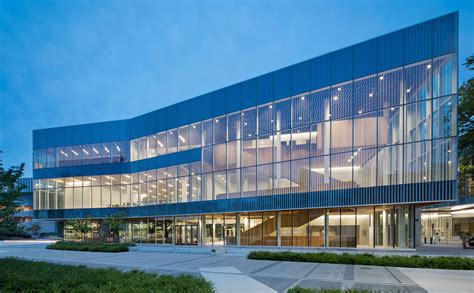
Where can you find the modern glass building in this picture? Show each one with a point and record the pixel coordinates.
(338, 151)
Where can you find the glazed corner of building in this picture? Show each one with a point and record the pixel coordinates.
(425, 41)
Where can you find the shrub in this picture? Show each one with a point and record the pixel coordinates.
(307, 290)
(99, 247)
(29, 276)
(415, 261)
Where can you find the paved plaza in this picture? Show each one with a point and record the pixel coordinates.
(236, 273)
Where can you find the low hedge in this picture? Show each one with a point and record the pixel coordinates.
(84, 246)
(415, 261)
(308, 290)
(29, 276)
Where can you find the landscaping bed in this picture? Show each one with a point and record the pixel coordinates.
(28, 276)
(84, 246)
(439, 262)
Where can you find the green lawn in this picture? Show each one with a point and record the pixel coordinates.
(440, 262)
(28, 276)
(84, 246)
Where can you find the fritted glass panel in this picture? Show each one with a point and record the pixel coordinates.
(172, 141)
(390, 165)
(365, 168)
(301, 110)
(207, 159)
(341, 135)
(207, 132)
(265, 149)
(220, 183)
(264, 179)
(365, 130)
(161, 143)
(341, 103)
(417, 162)
(320, 173)
(444, 75)
(444, 159)
(234, 129)
(300, 142)
(418, 121)
(249, 123)
(390, 84)
(249, 152)
(195, 136)
(390, 126)
(233, 183)
(266, 122)
(282, 178)
(282, 114)
(220, 129)
(207, 186)
(319, 103)
(300, 175)
(444, 117)
(320, 138)
(183, 138)
(341, 171)
(233, 154)
(282, 146)
(50, 157)
(195, 187)
(151, 146)
(249, 181)
(183, 189)
(220, 157)
(171, 189)
(417, 79)
(365, 95)
(142, 148)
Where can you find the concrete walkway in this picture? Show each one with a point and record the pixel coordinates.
(235, 273)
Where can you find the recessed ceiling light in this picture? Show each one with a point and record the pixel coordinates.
(381, 77)
(428, 66)
(335, 98)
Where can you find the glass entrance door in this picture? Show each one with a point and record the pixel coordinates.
(187, 231)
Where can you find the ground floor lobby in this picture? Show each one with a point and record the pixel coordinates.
(361, 227)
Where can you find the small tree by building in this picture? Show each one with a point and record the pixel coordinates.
(116, 223)
(10, 192)
(82, 226)
(466, 133)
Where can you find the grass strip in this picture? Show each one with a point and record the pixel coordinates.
(415, 261)
(82, 246)
(29, 276)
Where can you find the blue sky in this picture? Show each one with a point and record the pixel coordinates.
(72, 62)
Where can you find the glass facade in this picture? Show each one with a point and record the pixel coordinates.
(345, 227)
(336, 151)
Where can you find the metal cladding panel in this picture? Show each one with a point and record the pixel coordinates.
(417, 43)
(320, 72)
(265, 88)
(206, 106)
(281, 86)
(232, 97)
(219, 103)
(365, 59)
(341, 65)
(191, 110)
(389, 51)
(248, 93)
(300, 77)
(445, 34)
(383, 195)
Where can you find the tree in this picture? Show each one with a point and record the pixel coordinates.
(10, 192)
(34, 230)
(466, 129)
(116, 223)
(82, 226)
